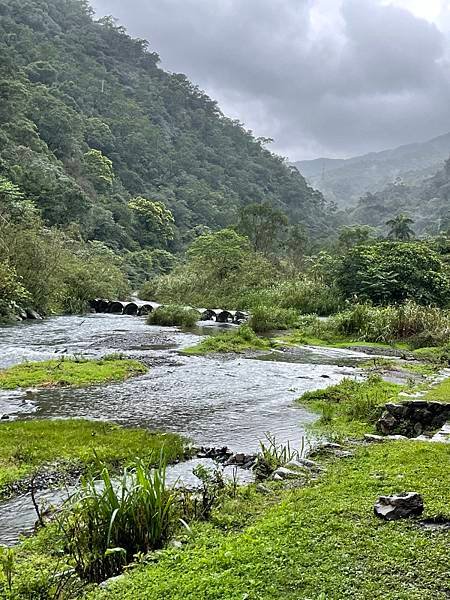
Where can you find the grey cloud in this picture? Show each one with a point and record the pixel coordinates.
(374, 77)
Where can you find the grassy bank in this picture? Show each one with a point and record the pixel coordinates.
(70, 372)
(350, 408)
(321, 542)
(238, 340)
(25, 446)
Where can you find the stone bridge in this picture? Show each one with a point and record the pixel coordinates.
(141, 308)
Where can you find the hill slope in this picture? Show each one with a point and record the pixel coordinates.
(427, 203)
(71, 85)
(346, 180)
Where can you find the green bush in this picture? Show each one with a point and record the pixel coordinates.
(270, 318)
(393, 272)
(418, 325)
(307, 296)
(12, 292)
(173, 315)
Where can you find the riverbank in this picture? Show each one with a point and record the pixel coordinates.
(320, 541)
(29, 448)
(299, 527)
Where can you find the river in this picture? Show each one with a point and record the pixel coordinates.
(214, 401)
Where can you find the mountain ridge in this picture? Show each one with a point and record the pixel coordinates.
(344, 181)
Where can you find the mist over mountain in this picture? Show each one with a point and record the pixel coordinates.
(427, 203)
(345, 181)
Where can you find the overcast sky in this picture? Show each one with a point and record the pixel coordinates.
(322, 77)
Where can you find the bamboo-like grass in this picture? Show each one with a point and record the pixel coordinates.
(113, 519)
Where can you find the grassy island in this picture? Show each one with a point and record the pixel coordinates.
(70, 372)
(238, 340)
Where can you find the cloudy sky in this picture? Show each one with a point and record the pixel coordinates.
(322, 77)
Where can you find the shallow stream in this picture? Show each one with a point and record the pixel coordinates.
(215, 401)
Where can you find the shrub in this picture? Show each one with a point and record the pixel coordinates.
(387, 272)
(12, 291)
(237, 340)
(109, 521)
(174, 315)
(269, 318)
(307, 296)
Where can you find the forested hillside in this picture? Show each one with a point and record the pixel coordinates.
(345, 181)
(427, 204)
(101, 139)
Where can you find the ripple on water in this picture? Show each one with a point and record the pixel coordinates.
(229, 401)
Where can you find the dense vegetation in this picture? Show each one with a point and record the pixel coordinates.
(172, 314)
(102, 151)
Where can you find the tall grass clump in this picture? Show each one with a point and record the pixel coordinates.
(174, 315)
(351, 401)
(110, 520)
(269, 318)
(418, 325)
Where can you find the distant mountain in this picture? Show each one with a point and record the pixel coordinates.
(427, 203)
(344, 181)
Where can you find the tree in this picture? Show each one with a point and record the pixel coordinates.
(155, 214)
(400, 228)
(390, 272)
(353, 236)
(265, 227)
(99, 169)
(13, 204)
(219, 253)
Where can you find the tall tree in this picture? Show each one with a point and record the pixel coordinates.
(400, 228)
(265, 227)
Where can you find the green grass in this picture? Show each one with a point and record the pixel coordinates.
(310, 337)
(271, 318)
(440, 392)
(27, 445)
(350, 408)
(380, 364)
(173, 315)
(238, 340)
(321, 542)
(69, 372)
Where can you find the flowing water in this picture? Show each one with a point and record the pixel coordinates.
(214, 401)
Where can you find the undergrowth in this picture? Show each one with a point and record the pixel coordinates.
(173, 315)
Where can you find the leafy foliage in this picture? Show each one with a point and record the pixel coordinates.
(386, 272)
(172, 314)
(89, 123)
(109, 520)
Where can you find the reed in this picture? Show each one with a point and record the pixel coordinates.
(110, 520)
